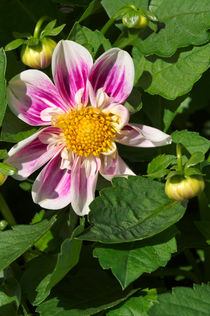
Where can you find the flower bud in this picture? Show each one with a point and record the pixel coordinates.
(180, 188)
(38, 56)
(134, 19)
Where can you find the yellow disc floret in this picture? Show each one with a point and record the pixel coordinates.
(87, 131)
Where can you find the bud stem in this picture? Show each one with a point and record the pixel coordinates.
(113, 19)
(7, 214)
(179, 157)
(38, 26)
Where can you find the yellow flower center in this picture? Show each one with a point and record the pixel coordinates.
(87, 130)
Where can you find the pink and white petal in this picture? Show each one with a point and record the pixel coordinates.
(142, 136)
(31, 153)
(84, 178)
(71, 64)
(114, 166)
(51, 188)
(31, 92)
(119, 113)
(113, 71)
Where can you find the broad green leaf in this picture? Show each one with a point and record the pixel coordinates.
(195, 159)
(13, 243)
(192, 171)
(7, 169)
(93, 40)
(112, 7)
(175, 76)
(14, 44)
(129, 261)
(14, 130)
(135, 306)
(3, 153)
(132, 209)
(66, 260)
(159, 163)
(172, 108)
(7, 305)
(85, 291)
(183, 301)
(134, 103)
(184, 23)
(3, 98)
(138, 60)
(192, 141)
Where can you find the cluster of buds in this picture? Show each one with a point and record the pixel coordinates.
(186, 181)
(37, 50)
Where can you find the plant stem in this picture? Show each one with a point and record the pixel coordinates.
(38, 26)
(113, 19)
(179, 157)
(7, 214)
(126, 41)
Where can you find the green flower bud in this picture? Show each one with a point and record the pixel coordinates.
(134, 19)
(180, 188)
(38, 56)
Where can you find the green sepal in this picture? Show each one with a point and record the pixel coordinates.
(33, 42)
(195, 159)
(14, 44)
(193, 172)
(174, 174)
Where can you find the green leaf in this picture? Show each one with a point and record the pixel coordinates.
(97, 292)
(195, 159)
(175, 76)
(93, 40)
(129, 261)
(138, 60)
(3, 153)
(112, 7)
(13, 243)
(53, 32)
(184, 24)
(14, 44)
(7, 305)
(183, 301)
(132, 209)
(7, 169)
(49, 26)
(192, 141)
(3, 98)
(159, 163)
(14, 130)
(134, 103)
(135, 306)
(66, 260)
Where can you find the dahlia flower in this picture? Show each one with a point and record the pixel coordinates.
(84, 119)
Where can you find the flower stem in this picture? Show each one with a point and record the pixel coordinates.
(113, 19)
(38, 26)
(179, 157)
(123, 41)
(5, 211)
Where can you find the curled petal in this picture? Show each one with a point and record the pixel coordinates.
(71, 64)
(119, 113)
(31, 153)
(84, 178)
(113, 71)
(113, 166)
(51, 188)
(30, 93)
(142, 136)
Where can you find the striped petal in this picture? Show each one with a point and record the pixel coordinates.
(51, 188)
(31, 153)
(142, 136)
(113, 166)
(84, 178)
(113, 71)
(71, 64)
(30, 93)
